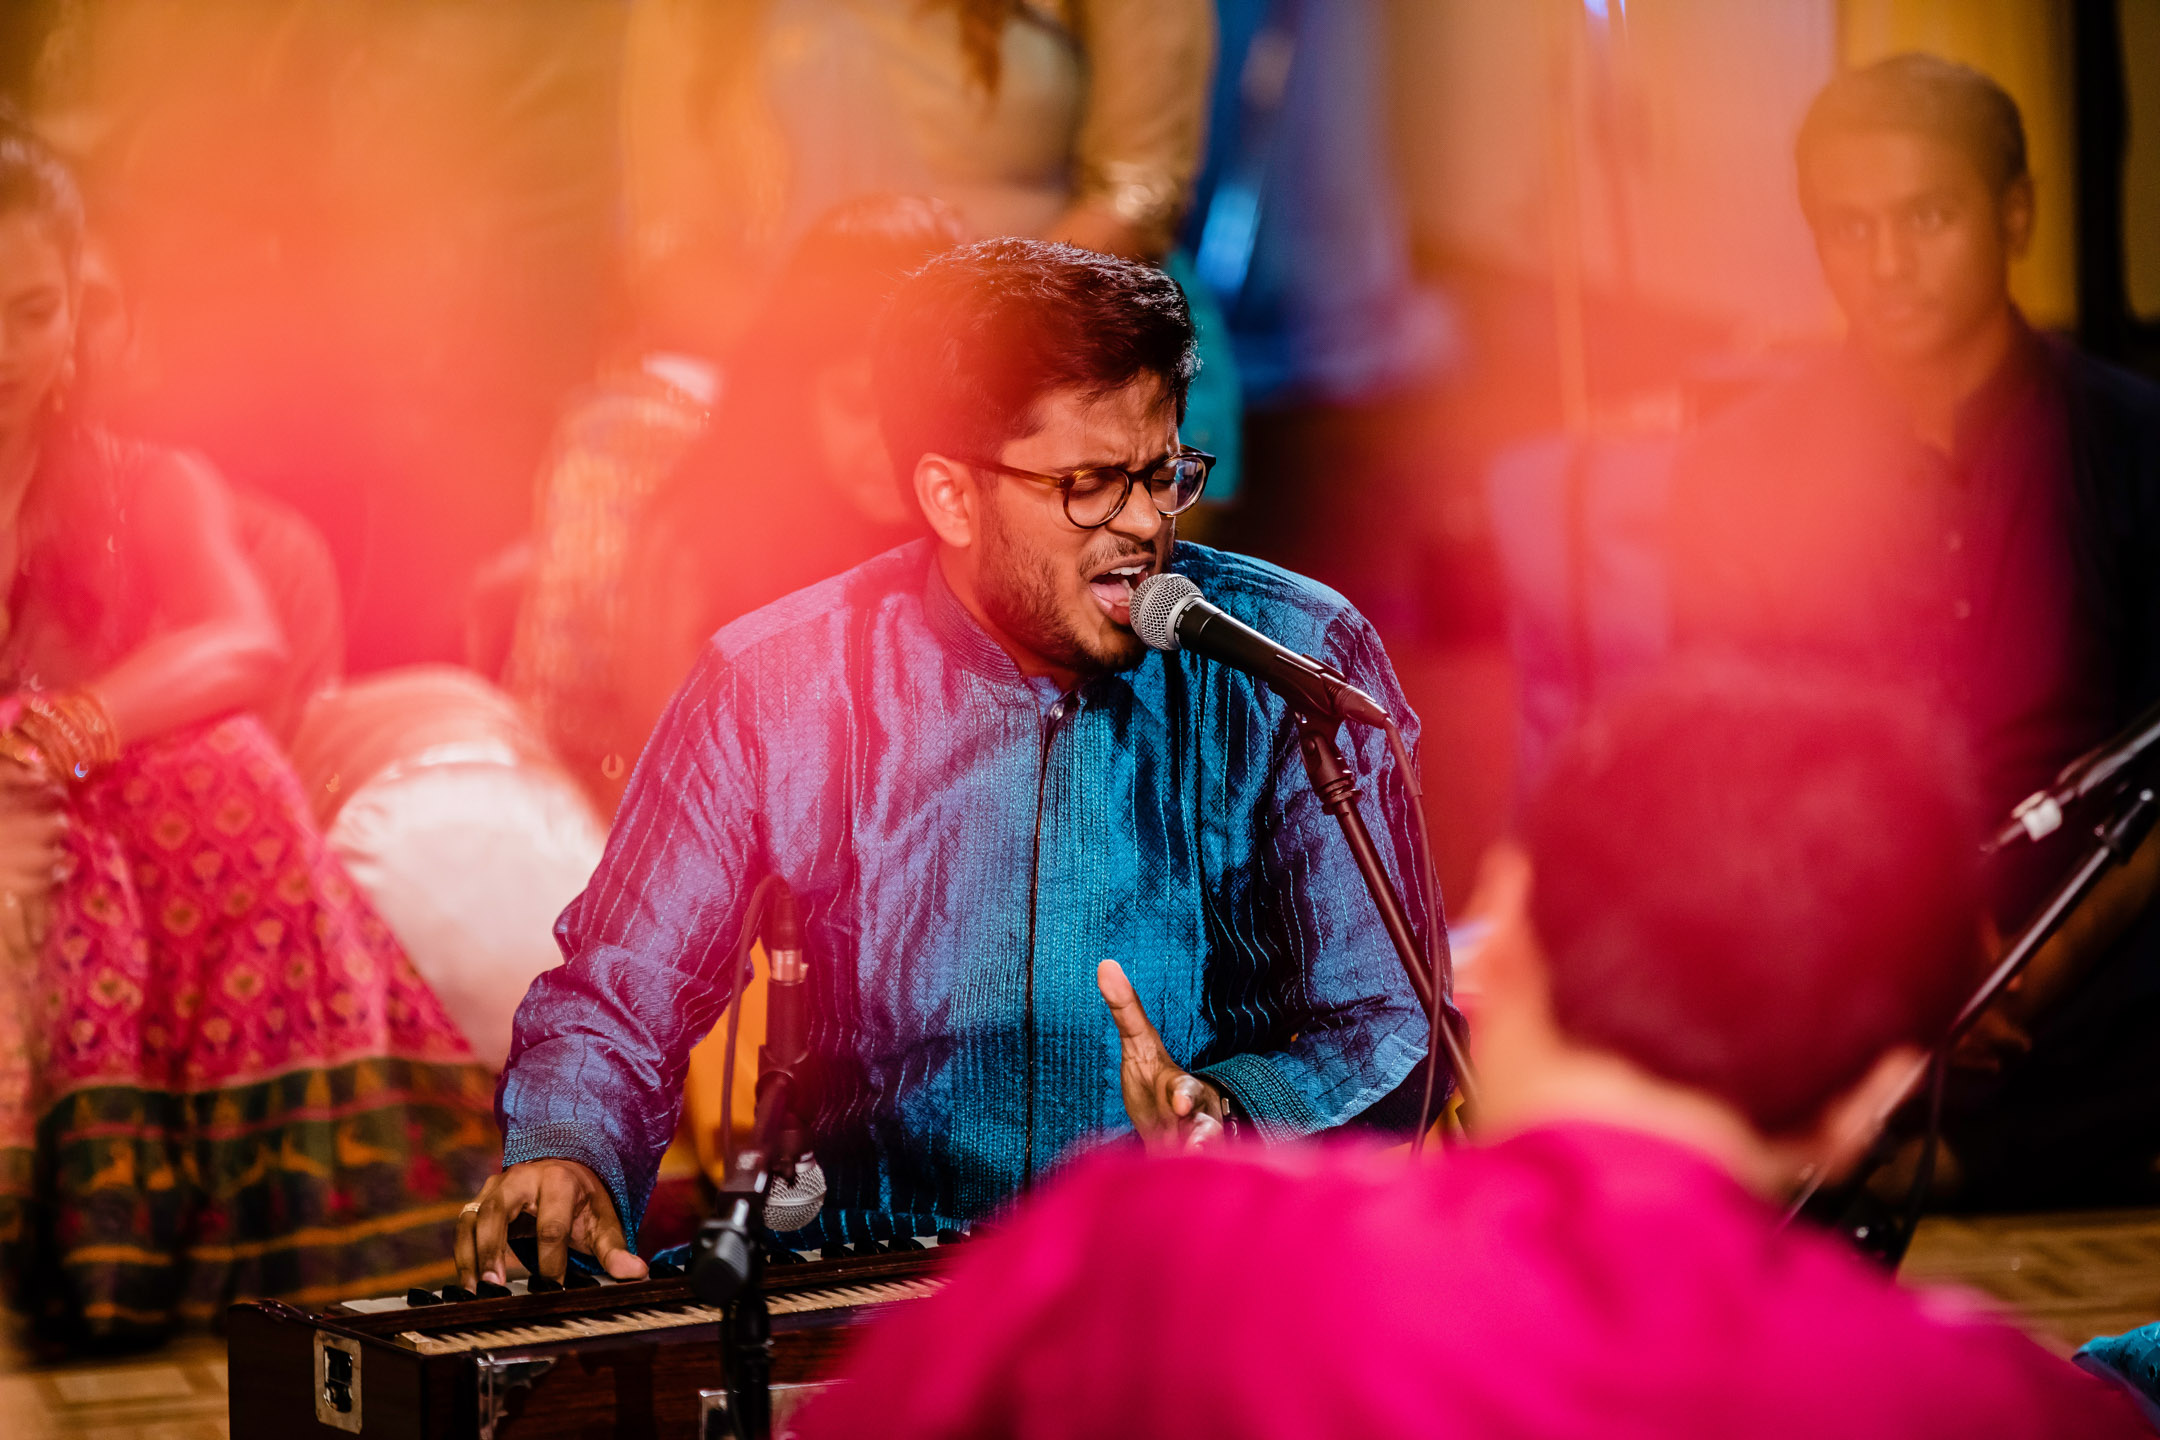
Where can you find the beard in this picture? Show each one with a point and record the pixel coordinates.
(1020, 594)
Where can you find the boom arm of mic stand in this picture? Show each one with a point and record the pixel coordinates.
(2113, 843)
(1338, 792)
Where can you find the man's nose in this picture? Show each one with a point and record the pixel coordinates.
(1138, 517)
(1892, 254)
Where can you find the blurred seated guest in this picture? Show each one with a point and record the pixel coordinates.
(219, 1075)
(1081, 121)
(1957, 502)
(792, 481)
(658, 526)
(435, 793)
(1074, 120)
(1714, 965)
(299, 578)
(289, 555)
(562, 590)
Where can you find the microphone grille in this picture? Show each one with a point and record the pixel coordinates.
(790, 1205)
(1156, 604)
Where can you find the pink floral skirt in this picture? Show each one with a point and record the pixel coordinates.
(224, 1079)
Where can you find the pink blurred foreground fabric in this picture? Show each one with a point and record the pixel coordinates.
(1572, 1281)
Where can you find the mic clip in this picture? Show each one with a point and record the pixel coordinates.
(1329, 697)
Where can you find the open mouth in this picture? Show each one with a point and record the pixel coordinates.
(1113, 586)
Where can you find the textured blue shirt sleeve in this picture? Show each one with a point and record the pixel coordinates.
(601, 1043)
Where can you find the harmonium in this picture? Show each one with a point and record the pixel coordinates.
(601, 1358)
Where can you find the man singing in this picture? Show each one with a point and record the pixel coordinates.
(981, 785)
(1959, 504)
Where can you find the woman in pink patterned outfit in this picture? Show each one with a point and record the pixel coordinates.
(220, 1077)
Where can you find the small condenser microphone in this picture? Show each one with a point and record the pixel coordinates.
(792, 1202)
(1170, 613)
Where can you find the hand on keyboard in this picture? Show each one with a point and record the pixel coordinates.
(570, 1208)
(1173, 1109)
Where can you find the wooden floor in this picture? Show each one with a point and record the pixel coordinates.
(177, 1393)
(2065, 1278)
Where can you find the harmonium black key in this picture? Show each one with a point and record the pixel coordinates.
(621, 1359)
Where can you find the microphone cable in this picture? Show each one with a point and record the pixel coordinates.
(739, 962)
(1429, 886)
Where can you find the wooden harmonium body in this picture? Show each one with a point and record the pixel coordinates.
(607, 1359)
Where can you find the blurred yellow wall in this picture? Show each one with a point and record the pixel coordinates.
(708, 1080)
(2025, 45)
(2141, 186)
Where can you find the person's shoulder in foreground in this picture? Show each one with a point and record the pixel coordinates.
(1681, 1015)
(1571, 1281)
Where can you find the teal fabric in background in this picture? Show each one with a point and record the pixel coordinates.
(1215, 406)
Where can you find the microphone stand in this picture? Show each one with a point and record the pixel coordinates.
(727, 1265)
(1853, 1209)
(1337, 790)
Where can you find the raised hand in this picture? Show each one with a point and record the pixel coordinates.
(1173, 1109)
(570, 1207)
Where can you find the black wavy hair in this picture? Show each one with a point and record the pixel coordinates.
(977, 337)
(1755, 882)
(1942, 99)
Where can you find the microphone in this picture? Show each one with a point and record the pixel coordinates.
(1169, 613)
(2042, 813)
(787, 1029)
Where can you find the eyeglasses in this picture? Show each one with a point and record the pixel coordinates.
(1094, 496)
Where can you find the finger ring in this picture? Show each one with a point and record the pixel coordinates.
(472, 1209)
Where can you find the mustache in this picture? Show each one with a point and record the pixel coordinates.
(1127, 551)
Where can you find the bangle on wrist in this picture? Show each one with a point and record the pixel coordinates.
(65, 735)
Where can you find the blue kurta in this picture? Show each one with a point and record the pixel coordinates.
(967, 844)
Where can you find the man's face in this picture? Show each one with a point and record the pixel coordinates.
(1914, 244)
(1059, 591)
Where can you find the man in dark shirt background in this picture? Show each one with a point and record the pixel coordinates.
(1962, 505)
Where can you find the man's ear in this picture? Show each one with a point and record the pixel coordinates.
(946, 491)
(2016, 209)
(1851, 1121)
(1501, 979)
(1502, 902)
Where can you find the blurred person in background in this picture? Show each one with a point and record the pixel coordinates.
(1072, 120)
(1300, 233)
(363, 279)
(789, 482)
(792, 481)
(1958, 502)
(1713, 964)
(747, 125)
(219, 1075)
